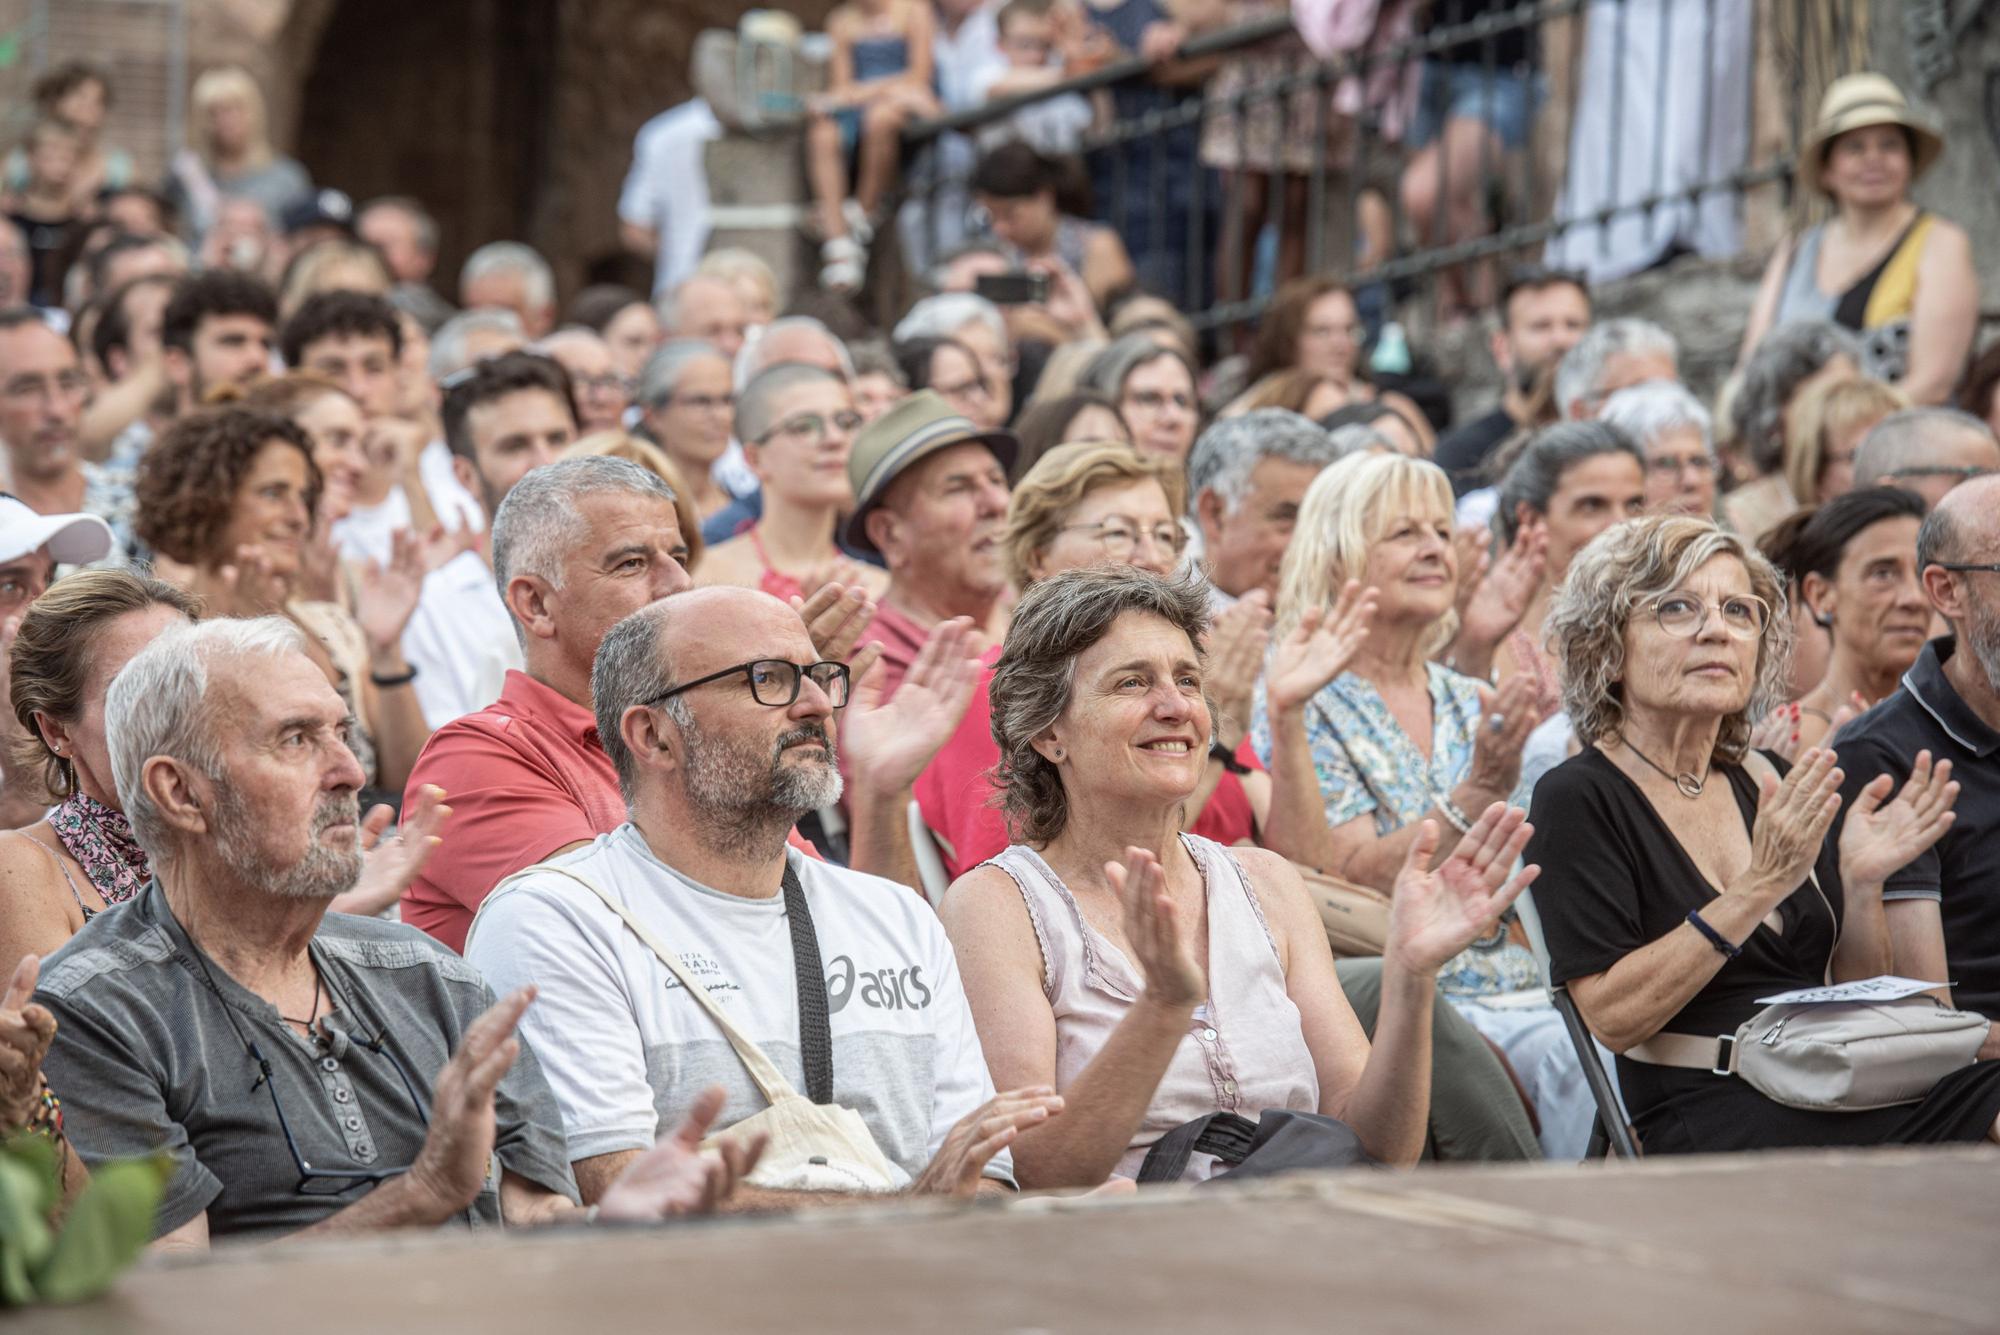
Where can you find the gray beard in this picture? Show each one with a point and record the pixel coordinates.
(747, 803)
(322, 874)
(1982, 636)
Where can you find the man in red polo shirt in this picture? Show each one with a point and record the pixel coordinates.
(577, 546)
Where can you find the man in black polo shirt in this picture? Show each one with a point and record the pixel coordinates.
(1543, 313)
(1944, 908)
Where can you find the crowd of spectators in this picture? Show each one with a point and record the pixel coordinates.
(693, 760)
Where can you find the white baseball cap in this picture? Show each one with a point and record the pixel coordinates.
(72, 540)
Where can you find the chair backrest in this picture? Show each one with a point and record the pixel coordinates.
(930, 865)
(1614, 1127)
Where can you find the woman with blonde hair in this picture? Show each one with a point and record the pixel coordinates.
(1824, 429)
(625, 445)
(233, 157)
(332, 266)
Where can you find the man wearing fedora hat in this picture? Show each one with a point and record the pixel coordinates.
(1900, 277)
(930, 498)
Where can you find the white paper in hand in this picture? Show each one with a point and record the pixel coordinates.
(1886, 987)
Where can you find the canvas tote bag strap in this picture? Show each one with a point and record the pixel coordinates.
(1758, 765)
(770, 1082)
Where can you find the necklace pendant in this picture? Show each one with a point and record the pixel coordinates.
(1689, 785)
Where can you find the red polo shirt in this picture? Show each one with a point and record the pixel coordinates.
(523, 776)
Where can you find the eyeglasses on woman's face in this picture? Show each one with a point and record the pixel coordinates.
(1684, 615)
(1121, 538)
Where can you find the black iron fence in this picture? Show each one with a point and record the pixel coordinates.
(1599, 135)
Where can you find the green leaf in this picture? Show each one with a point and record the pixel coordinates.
(25, 1238)
(38, 1152)
(107, 1228)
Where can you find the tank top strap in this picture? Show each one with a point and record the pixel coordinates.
(1221, 871)
(1067, 954)
(68, 880)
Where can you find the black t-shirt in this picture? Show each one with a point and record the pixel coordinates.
(1962, 869)
(1615, 879)
(1463, 451)
(1516, 46)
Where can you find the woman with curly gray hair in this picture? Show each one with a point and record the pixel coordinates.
(1153, 976)
(1694, 875)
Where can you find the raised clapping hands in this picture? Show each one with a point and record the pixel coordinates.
(674, 1177)
(1793, 815)
(1881, 837)
(835, 615)
(1436, 912)
(26, 1030)
(1160, 950)
(1236, 644)
(1318, 649)
(389, 865)
(887, 746)
(389, 591)
(1494, 594)
(1496, 751)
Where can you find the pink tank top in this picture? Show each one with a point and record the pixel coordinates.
(1245, 1049)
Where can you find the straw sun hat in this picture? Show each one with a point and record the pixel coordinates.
(1857, 100)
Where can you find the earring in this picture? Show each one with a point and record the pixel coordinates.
(1059, 753)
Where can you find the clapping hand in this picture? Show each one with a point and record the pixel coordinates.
(1793, 816)
(1235, 655)
(451, 1167)
(1319, 648)
(979, 1135)
(390, 590)
(1881, 837)
(1506, 717)
(26, 1030)
(1153, 933)
(1436, 912)
(675, 1177)
(248, 586)
(388, 866)
(835, 615)
(1494, 598)
(888, 745)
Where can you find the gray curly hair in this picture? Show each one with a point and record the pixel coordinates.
(1057, 619)
(1622, 571)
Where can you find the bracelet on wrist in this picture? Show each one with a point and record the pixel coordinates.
(1226, 758)
(1715, 938)
(1453, 816)
(389, 679)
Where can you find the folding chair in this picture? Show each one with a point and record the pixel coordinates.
(1612, 1129)
(930, 865)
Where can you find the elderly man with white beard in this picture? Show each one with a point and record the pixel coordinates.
(303, 1071)
(720, 720)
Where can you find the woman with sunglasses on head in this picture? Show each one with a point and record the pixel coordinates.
(797, 424)
(1688, 876)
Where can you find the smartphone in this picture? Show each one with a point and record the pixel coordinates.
(1019, 288)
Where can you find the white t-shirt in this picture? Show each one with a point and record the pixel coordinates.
(667, 188)
(460, 640)
(626, 1053)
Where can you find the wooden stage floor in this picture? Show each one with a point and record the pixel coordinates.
(1890, 1241)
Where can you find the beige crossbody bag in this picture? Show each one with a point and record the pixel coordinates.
(1847, 1056)
(812, 1146)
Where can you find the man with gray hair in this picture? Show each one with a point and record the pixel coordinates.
(577, 546)
(1246, 477)
(1926, 450)
(302, 1071)
(513, 277)
(1677, 437)
(707, 308)
(1611, 356)
(602, 395)
(721, 725)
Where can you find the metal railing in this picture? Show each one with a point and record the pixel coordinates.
(1636, 125)
(140, 44)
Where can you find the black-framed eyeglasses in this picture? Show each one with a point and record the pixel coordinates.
(335, 1181)
(1964, 569)
(775, 681)
(814, 426)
